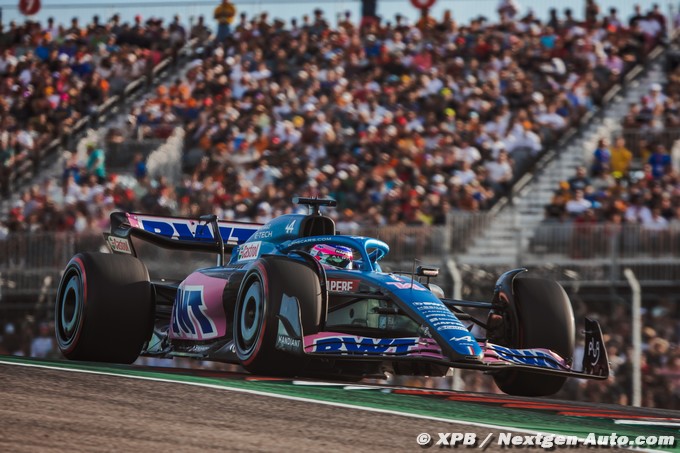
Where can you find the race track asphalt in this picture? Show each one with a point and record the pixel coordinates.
(51, 410)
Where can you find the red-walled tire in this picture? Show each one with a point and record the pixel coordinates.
(257, 308)
(540, 317)
(104, 308)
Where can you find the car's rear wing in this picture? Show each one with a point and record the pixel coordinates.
(180, 233)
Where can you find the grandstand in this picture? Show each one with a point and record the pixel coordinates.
(458, 144)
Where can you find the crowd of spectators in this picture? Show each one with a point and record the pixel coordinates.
(400, 123)
(28, 337)
(660, 360)
(52, 76)
(632, 184)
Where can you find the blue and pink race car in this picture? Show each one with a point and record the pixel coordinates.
(294, 298)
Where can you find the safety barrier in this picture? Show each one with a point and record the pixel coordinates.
(595, 253)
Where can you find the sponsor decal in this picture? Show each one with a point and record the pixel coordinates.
(408, 285)
(363, 345)
(594, 351)
(119, 245)
(311, 240)
(263, 235)
(463, 340)
(343, 285)
(439, 316)
(286, 343)
(191, 230)
(189, 315)
(534, 357)
(445, 323)
(249, 251)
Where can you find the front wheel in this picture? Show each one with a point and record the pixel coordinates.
(104, 308)
(279, 300)
(539, 316)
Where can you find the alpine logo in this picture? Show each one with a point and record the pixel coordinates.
(119, 245)
(342, 285)
(362, 345)
(189, 319)
(249, 251)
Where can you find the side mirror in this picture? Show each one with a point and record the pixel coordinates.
(429, 272)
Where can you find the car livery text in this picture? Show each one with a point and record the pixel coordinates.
(364, 345)
(533, 357)
(191, 230)
(189, 318)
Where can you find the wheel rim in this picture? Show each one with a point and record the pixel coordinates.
(69, 310)
(250, 317)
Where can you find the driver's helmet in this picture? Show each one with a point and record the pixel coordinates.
(333, 255)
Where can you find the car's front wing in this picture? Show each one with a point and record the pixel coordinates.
(495, 357)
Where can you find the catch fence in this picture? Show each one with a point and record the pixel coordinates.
(31, 263)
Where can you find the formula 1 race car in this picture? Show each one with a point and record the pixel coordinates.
(297, 299)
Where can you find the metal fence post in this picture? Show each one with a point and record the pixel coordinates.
(614, 240)
(637, 336)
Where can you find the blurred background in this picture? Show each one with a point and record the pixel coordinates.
(477, 136)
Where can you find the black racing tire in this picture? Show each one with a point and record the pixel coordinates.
(257, 308)
(104, 308)
(540, 317)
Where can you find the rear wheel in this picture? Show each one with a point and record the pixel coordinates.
(539, 317)
(269, 284)
(104, 308)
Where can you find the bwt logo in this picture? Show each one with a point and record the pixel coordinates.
(183, 231)
(364, 345)
(342, 285)
(189, 319)
(526, 357)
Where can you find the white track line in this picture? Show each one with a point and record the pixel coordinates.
(648, 423)
(287, 397)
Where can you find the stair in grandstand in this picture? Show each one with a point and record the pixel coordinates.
(54, 166)
(506, 240)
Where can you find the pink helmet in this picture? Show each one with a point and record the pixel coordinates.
(333, 255)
